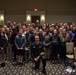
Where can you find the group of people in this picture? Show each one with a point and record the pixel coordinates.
(45, 42)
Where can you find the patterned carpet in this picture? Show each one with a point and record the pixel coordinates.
(26, 69)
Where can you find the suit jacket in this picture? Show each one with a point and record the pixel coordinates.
(20, 41)
(36, 49)
(2, 43)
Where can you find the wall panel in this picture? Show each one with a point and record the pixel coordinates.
(17, 18)
(60, 18)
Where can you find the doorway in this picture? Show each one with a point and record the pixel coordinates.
(34, 18)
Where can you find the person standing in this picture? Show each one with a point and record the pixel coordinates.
(47, 44)
(55, 46)
(2, 49)
(64, 37)
(12, 39)
(20, 42)
(38, 24)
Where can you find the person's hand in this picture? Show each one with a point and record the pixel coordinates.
(38, 57)
(21, 48)
(35, 59)
(1, 48)
(18, 48)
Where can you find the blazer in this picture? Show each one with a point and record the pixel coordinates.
(20, 41)
(36, 49)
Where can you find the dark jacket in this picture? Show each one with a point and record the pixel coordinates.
(36, 49)
(2, 43)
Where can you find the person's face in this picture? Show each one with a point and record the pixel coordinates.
(44, 25)
(3, 29)
(37, 21)
(8, 22)
(61, 24)
(20, 32)
(40, 30)
(44, 28)
(31, 28)
(2, 34)
(36, 38)
(67, 27)
(74, 28)
(14, 23)
(37, 28)
(7, 30)
(64, 31)
(71, 26)
(56, 27)
(55, 32)
(60, 29)
(24, 28)
(51, 28)
(27, 31)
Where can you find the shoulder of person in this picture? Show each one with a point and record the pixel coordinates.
(41, 43)
(17, 36)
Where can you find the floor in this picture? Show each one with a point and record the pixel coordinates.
(11, 68)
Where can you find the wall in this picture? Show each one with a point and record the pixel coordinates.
(55, 11)
(44, 5)
(60, 18)
(1, 17)
(48, 18)
(17, 18)
(53, 17)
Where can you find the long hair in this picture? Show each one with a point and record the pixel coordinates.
(66, 35)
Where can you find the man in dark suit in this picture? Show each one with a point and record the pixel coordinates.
(38, 24)
(37, 51)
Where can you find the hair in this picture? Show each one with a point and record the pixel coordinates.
(66, 35)
(37, 35)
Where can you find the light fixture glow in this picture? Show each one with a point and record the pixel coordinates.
(28, 17)
(1, 17)
(42, 17)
